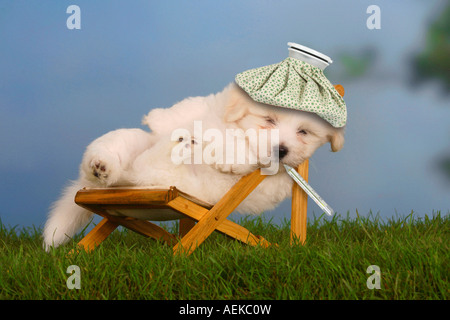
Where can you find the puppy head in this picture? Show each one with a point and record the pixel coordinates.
(300, 132)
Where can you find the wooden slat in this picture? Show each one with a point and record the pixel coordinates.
(207, 224)
(242, 234)
(227, 227)
(299, 207)
(131, 197)
(122, 196)
(340, 89)
(146, 228)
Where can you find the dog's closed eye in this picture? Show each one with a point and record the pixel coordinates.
(302, 132)
(270, 120)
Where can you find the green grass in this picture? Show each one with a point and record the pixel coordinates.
(412, 254)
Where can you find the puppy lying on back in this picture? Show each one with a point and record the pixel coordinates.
(126, 156)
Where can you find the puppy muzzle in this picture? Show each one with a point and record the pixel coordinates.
(280, 151)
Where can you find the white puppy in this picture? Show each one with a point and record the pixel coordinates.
(136, 157)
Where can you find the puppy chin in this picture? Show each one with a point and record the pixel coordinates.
(294, 163)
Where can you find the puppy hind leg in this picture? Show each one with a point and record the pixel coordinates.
(101, 168)
(107, 158)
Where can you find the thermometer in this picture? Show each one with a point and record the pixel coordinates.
(309, 190)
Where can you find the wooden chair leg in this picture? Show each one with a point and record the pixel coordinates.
(221, 210)
(229, 228)
(186, 224)
(99, 233)
(299, 207)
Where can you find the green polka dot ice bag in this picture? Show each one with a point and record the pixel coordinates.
(298, 83)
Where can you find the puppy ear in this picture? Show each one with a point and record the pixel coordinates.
(337, 140)
(236, 105)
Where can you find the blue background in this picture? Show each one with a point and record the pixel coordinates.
(60, 89)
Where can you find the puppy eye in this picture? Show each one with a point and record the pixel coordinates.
(193, 141)
(270, 120)
(180, 139)
(302, 132)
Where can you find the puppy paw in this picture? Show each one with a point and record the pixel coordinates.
(243, 169)
(100, 169)
(238, 169)
(104, 170)
(224, 168)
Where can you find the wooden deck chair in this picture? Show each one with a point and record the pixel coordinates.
(133, 207)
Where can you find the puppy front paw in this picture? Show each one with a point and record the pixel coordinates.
(224, 168)
(239, 169)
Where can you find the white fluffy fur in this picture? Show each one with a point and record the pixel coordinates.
(137, 157)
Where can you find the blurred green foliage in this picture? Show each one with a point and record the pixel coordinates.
(357, 64)
(433, 62)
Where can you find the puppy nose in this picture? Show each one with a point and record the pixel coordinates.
(282, 151)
